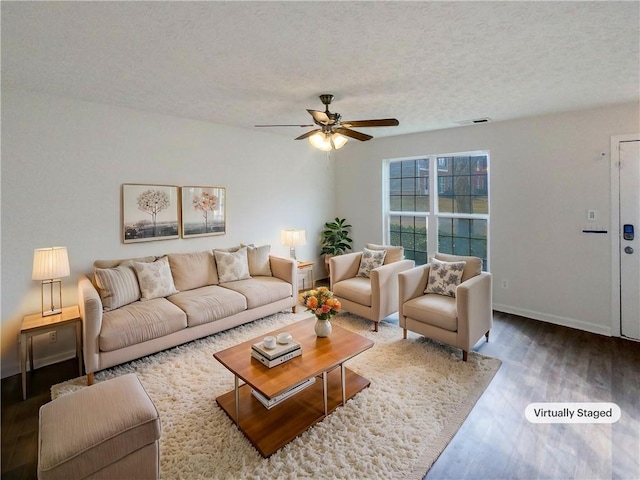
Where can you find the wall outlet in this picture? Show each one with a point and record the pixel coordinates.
(53, 337)
(505, 283)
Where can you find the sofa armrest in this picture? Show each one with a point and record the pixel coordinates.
(285, 269)
(384, 287)
(411, 284)
(91, 313)
(344, 266)
(475, 308)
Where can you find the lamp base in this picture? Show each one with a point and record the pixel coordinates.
(52, 309)
(292, 252)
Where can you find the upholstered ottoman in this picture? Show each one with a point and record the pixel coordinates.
(109, 430)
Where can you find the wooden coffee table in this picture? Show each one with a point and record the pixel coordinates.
(270, 429)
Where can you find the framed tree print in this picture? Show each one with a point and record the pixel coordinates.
(150, 212)
(203, 211)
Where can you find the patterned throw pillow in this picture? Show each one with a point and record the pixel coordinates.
(232, 266)
(370, 259)
(444, 277)
(155, 279)
(117, 287)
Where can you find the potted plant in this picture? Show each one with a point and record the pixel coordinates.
(335, 239)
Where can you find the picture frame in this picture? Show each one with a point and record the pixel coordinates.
(150, 212)
(203, 211)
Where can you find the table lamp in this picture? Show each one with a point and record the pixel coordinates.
(49, 265)
(293, 238)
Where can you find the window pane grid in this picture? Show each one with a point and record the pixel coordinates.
(461, 198)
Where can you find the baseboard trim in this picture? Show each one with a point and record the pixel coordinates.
(50, 360)
(555, 319)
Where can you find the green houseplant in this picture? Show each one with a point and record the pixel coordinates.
(335, 239)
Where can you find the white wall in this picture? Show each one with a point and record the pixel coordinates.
(63, 164)
(545, 173)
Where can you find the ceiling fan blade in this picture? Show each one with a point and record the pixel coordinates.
(383, 122)
(284, 125)
(363, 137)
(320, 117)
(308, 134)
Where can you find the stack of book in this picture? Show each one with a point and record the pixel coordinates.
(270, 357)
(272, 402)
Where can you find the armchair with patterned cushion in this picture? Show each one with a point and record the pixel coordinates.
(448, 300)
(366, 283)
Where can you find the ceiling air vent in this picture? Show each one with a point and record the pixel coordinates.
(475, 120)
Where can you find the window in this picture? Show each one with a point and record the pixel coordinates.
(457, 210)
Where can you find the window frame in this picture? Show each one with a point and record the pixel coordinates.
(433, 214)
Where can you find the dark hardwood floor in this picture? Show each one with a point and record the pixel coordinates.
(541, 363)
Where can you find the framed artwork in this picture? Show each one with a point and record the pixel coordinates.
(150, 212)
(203, 211)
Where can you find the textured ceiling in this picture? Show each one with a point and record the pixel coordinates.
(429, 64)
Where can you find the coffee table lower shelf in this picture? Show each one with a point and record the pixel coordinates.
(271, 429)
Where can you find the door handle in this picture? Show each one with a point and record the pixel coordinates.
(628, 250)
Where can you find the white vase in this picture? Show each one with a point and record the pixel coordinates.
(323, 328)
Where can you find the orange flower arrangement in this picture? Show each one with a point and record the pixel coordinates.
(321, 302)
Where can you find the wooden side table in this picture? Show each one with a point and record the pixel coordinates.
(36, 324)
(305, 270)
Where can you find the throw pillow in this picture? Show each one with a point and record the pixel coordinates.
(232, 266)
(117, 287)
(472, 268)
(193, 270)
(370, 259)
(444, 277)
(155, 279)
(258, 258)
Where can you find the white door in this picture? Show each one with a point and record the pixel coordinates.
(630, 242)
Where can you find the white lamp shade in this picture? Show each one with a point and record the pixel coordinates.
(339, 141)
(50, 263)
(293, 238)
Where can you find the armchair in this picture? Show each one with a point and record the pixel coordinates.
(459, 321)
(374, 297)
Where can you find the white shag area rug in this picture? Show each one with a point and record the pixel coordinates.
(421, 391)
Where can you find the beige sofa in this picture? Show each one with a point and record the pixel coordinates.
(135, 307)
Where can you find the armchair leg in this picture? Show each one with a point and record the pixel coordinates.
(465, 355)
(375, 326)
(404, 333)
(294, 309)
(487, 335)
(90, 379)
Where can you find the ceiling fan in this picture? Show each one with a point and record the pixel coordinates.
(333, 132)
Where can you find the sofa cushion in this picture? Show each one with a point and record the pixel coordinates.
(394, 253)
(138, 322)
(369, 260)
(193, 270)
(207, 304)
(472, 268)
(356, 289)
(155, 279)
(436, 310)
(261, 290)
(444, 277)
(258, 258)
(232, 266)
(117, 286)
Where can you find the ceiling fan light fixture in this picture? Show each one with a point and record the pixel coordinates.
(327, 141)
(338, 140)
